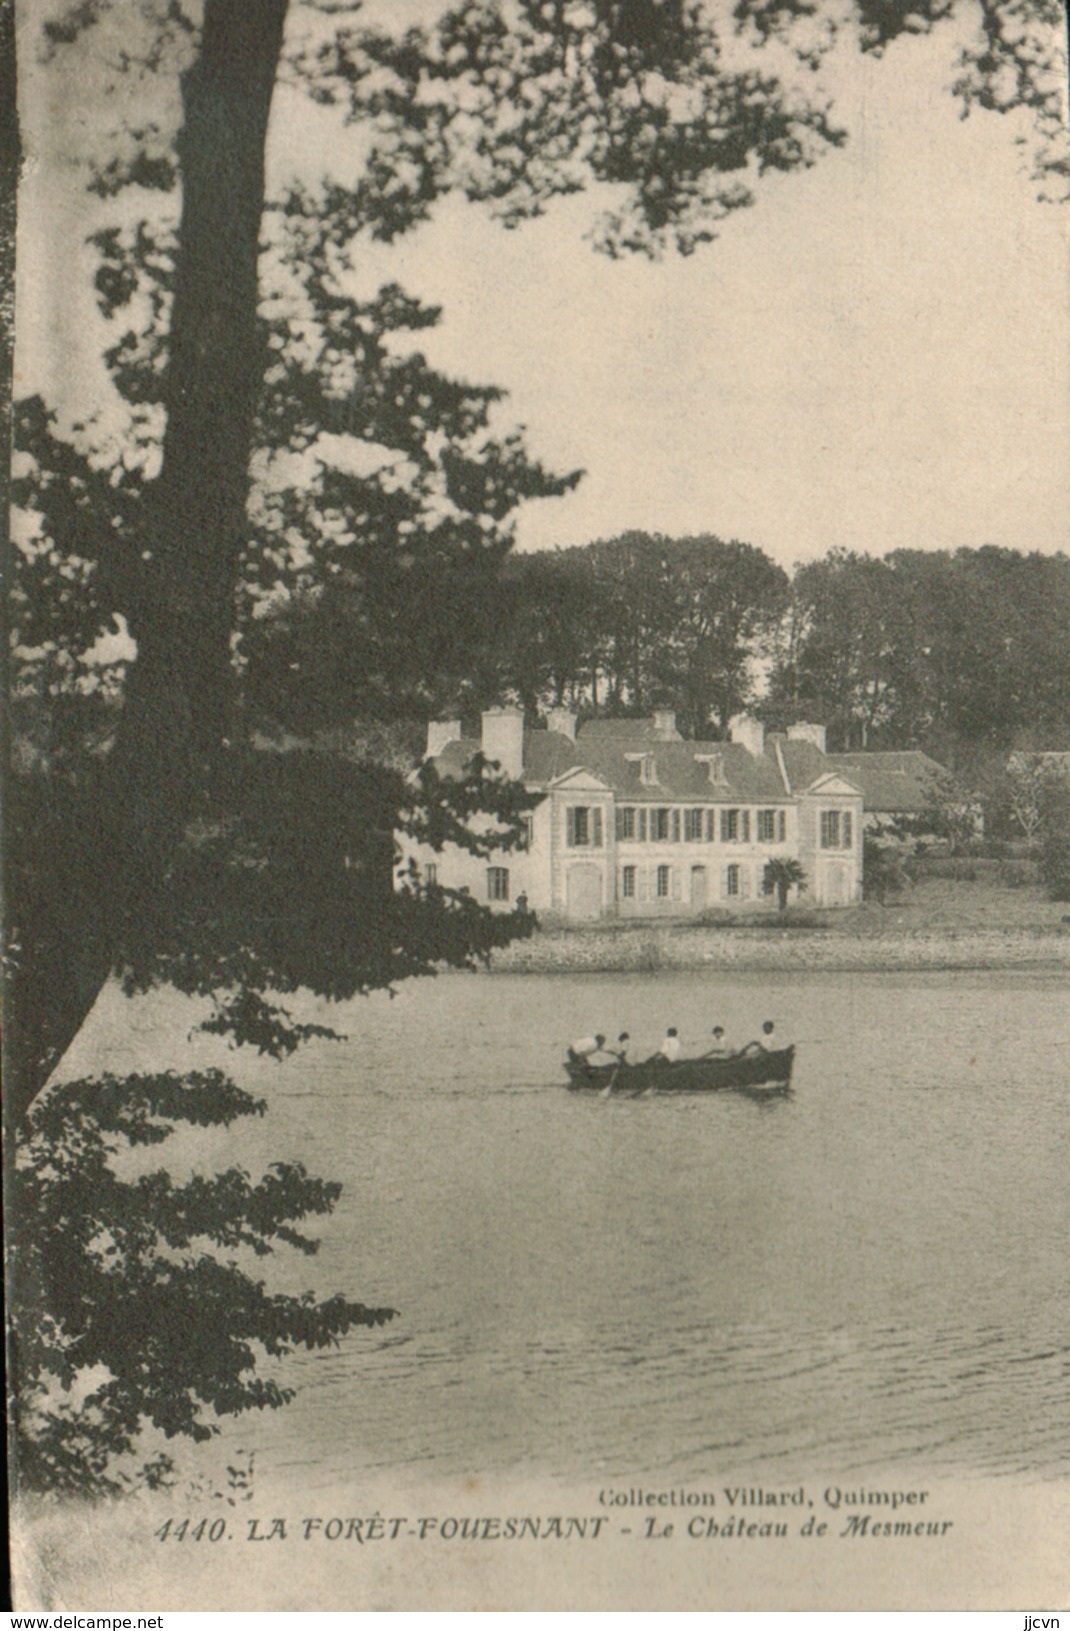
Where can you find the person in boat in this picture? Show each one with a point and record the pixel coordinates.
(669, 1050)
(620, 1052)
(767, 1042)
(721, 1048)
(586, 1050)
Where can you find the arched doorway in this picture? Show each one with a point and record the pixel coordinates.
(835, 885)
(584, 890)
(699, 888)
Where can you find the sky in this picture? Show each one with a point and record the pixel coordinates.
(875, 356)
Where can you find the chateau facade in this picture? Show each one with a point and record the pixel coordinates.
(634, 822)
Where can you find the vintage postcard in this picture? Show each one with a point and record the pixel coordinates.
(537, 844)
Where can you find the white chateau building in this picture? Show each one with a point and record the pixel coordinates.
(633, 821)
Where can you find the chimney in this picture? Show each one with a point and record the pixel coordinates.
(749, 732)
(439, 732)
(559, 719)
(808, 733)
(503, 739)
(665, 725)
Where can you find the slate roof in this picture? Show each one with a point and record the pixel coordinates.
(547, 755)
(680, 776)
(617, 729)
(550, 754)
(904, 783)
(803, 761)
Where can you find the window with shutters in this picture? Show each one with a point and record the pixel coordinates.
(527, 832)
(693, 826)
(497, 883)
(729, 826)
(664, 884)
(431, 874)
(626, 822)
(731, 880)
(766, 826)
(659, 826)
(627, 882)
(583, 827)
(830, 829)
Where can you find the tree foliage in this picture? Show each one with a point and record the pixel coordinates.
(782, 875)
(630, 622)
(948, 650)
(131, 1306)
(883, 868)
(1055, 836)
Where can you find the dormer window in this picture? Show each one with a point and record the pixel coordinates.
(648, 774)
(714, 763)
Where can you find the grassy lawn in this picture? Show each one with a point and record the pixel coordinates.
(986, 901)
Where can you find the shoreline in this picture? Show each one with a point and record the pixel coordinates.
(657, 948)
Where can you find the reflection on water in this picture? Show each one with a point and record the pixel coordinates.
(866, 1271)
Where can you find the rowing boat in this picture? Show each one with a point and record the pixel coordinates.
(757, 1069)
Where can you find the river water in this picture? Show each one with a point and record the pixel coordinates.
(870, 1273)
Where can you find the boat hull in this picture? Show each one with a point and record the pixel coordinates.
(756, 1070)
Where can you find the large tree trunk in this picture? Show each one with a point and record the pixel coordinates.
(215, 365)
(109, 846)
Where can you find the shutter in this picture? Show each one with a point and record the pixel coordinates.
(642, 825)
(724, 826)
(709, 825)
(675, 819)
(724, 882)
(620, 825)
(570, 826)
(782, 826)
(848, 835)
(596, 827)
(744, 821)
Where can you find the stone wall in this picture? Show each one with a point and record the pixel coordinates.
(651, 948)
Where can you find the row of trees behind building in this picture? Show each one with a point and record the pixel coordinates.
(964, 653)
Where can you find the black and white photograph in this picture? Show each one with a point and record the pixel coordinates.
(536, 835)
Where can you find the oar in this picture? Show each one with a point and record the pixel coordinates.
(607, 1090)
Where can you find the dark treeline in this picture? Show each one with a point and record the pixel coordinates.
(963, 653)
(639, 620)
(952, 651)
(955, 652)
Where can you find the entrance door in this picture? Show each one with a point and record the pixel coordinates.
(584, 890)
(835, 882)
(698, 888)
